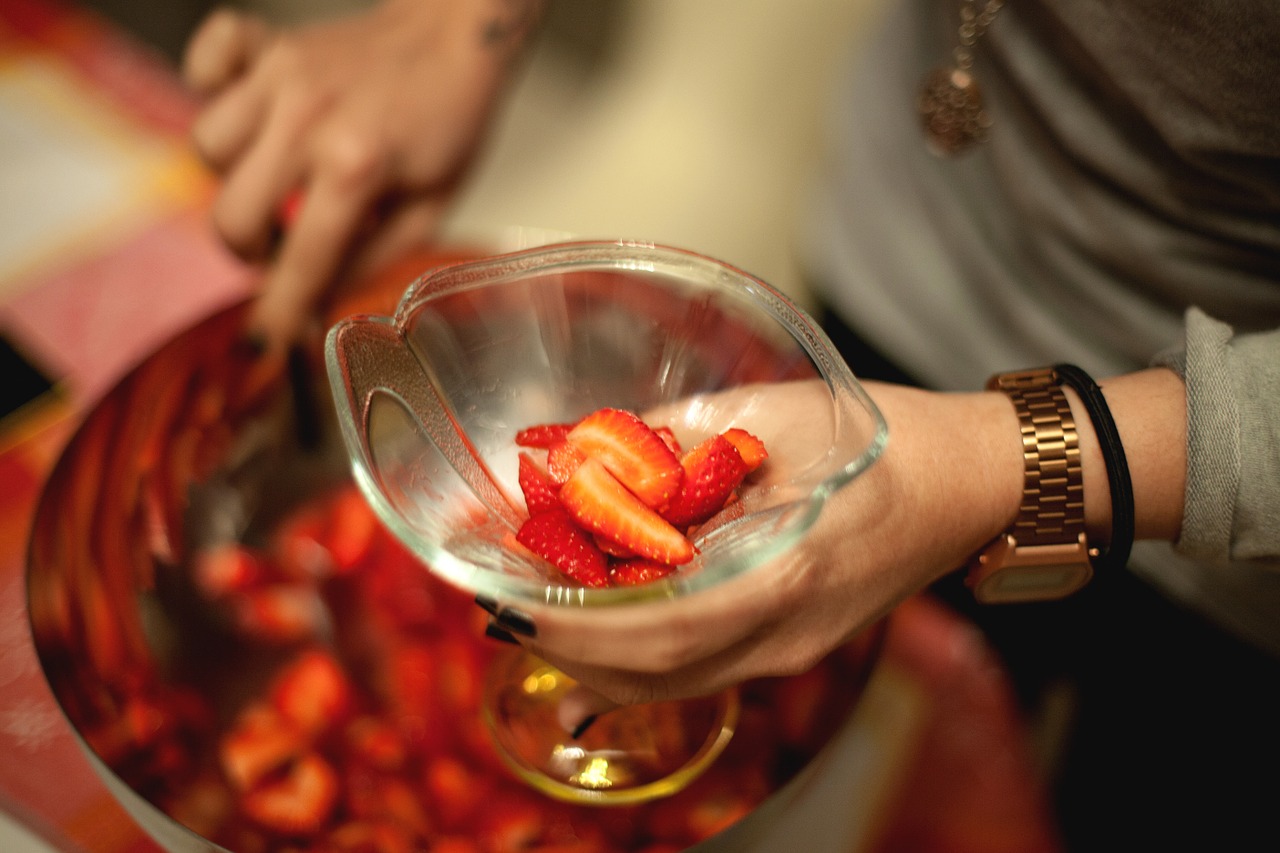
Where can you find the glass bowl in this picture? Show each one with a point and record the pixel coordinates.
(430, 399)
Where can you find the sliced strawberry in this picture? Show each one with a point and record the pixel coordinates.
(352, 530)
(543, 435)
(456, 792)
(297, 545)
(370, 836)
(297, 803)
(669, 439)
(552, 535)
(279, 613)
(595, 499)
(638, 571)
(712, 470)
(384, 799)
(632, 452)
(312, 692)
(227, 568)
(563, 459)
(260, 742)
(750, 448)
(613, 549)
(539, 491)
(373, 741)
(408, 685)
(460, 683)
(513, 821)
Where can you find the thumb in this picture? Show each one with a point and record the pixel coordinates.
(579, 708)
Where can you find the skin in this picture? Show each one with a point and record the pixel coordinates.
(885, 537)
(370, 120)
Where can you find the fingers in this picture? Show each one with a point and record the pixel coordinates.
(664, 638)
(247, 210)
(222, 48)
(579, 707)
(224, 131)
(400, 226)
(603, 688)
(333, 208)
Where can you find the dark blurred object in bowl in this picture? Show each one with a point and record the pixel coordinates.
(253, 664)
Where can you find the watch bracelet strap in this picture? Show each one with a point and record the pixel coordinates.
(1052, 506)
(1119, 483)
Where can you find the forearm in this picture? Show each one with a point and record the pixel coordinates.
(953, 470)
(1150, 411)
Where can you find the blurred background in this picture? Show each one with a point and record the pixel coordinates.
(695, 124)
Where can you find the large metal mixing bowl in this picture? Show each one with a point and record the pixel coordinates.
(204, 444)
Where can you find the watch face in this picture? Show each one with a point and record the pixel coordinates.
(1031, 583)
(1007, 572)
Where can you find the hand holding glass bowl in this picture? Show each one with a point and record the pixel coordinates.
(429, 402)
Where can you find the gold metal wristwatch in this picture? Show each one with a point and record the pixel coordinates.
(1045, 554)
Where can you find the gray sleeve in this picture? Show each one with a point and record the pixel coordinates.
(1232, 508)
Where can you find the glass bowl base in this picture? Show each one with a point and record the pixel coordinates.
(628, 755)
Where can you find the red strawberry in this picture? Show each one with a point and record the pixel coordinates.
(552, 535)
(539, 491)
(456, 792)
(750, 448)
(638, 571)
(612, 549)
(227, 568)
(279, 613)
(374, 741)
(712, 470)
(261, 741)
(299, 802)
(312, 692)
(297, 545)
(513, 821)
(669, 439)
(632, 452)
(543, 435)
(460, 683)
(352, 530)
(595, 499)
(562, 460)
(370, 836)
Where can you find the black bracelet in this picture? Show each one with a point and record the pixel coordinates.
(1116, 554)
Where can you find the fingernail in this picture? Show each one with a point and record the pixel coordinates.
(582, 727)
(502, 635)
(487, 604)
(517, 622)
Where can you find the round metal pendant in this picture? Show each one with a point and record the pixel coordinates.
(951, 112)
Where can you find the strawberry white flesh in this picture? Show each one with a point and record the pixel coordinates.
(599, 502)
(632, 452)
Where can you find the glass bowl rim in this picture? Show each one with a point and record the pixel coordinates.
(462, 275)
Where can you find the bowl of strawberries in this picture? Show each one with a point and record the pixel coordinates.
(589, 425)
(254, 660)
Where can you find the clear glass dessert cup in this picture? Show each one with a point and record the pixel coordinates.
(429, 402)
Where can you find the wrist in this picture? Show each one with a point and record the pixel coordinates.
(951, 474)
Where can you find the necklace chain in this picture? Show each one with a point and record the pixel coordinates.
(950, 102)
(972, 25)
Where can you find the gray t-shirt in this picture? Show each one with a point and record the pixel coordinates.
(1124, 211)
